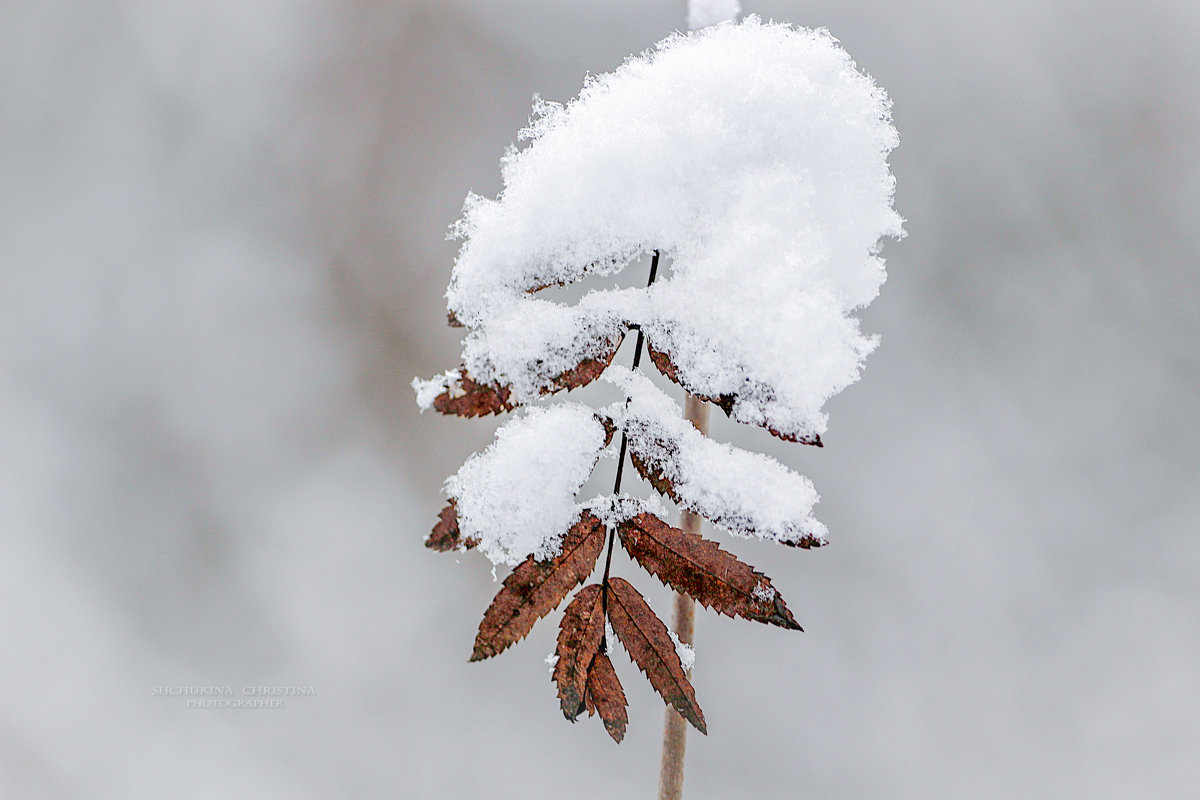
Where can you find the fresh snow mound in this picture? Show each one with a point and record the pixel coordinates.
(754, 156)
(517, 497)
(748, 494)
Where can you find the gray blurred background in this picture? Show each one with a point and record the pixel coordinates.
(222, 259)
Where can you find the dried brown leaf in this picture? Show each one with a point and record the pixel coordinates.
(650, 646)
(696, 566)
(668, 368)
(445, 535)
(580, 635)
(470, 398)
(605, 695)
(585, 371)
(724, 402)
(610, 428)
(654, 476)
(535, 588)
(806, 542)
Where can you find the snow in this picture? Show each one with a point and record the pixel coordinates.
(612, 510)
(748, 494)
(517, 497)
(764, 593)
(702, 13)
(687, 656)
(427, 391)
(754, 156)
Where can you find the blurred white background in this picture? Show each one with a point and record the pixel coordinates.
(222, 260)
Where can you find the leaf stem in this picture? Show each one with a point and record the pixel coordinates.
(612, 533)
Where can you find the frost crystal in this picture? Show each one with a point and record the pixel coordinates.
(517, 497)
(754, 155)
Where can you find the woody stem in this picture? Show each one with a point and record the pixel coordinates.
(670, 775)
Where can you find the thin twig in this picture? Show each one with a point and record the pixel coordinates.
(674, 747)
(637, 359)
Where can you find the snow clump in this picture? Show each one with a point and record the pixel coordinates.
(517, 497)
(753, 156)
(748, 494)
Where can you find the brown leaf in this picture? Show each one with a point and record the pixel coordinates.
(813, 439)
(650, 646)
(610, 428)
(693, 565)
(469, 398)
(654, 476)
(724, 402)
(580, 635)
(805, 542)
(445, 536)
(585, 371)
(668, 368)
(535, 588)
(604, 694)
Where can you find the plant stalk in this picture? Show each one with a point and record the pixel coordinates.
(674, 746)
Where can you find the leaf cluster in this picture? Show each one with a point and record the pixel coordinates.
(687, 562)
(583, 671)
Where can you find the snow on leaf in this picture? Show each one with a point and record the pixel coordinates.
(537, 346)
(605, 695)
(586, 371)
(615, 509)
(687, 655)
(695, 566)
(748, 494)
(517, 497)
(535, 588)
(649, 644)
(580, 636)
(754, 156)
(459, 394)
(729, 403)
